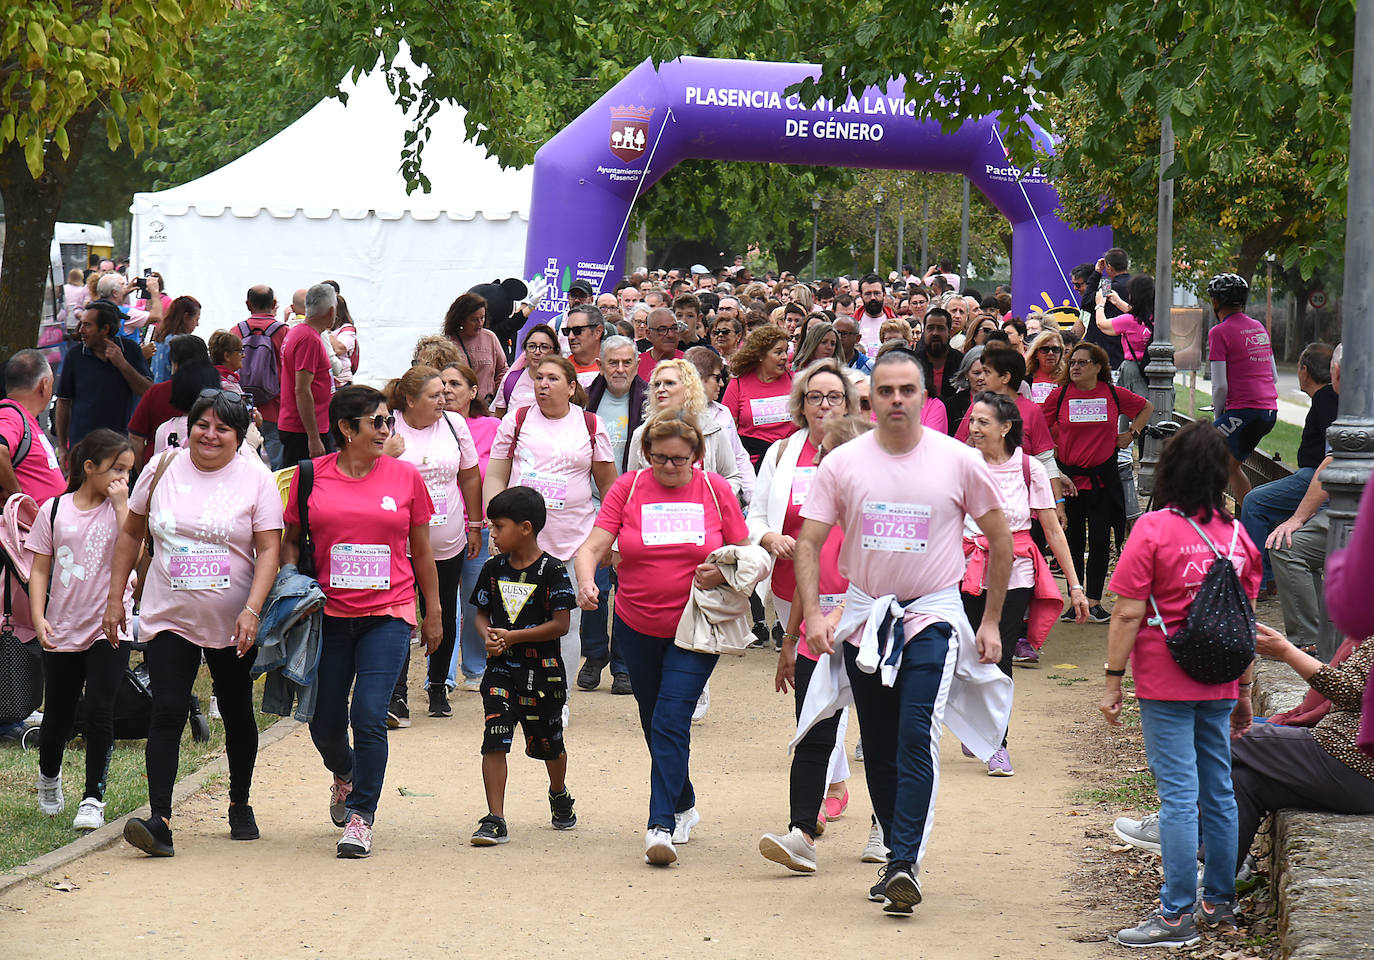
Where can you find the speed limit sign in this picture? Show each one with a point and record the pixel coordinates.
(1316, 299)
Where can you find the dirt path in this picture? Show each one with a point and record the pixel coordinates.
(995, 876)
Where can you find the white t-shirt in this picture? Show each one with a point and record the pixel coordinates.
(1018, 504)
(439, 455)
(555, 457)
(79, 580)
(203, 558)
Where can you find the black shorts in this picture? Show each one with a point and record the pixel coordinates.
(525, 685)
(1244, 429)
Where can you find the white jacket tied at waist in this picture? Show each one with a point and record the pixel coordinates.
(716, 619)
(979, 704)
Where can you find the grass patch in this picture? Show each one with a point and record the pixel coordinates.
(1064, 681)
(25, 833)
(1135, 791)
(1282, 440)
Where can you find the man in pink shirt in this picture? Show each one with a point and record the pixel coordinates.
(1244, 376)
(663, 333)
(27, 460)
(901, 494)
(306, 384)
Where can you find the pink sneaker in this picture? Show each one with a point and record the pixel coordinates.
(967, 752)
(338, 796)
(356, 841)
(836, 806)
(999, 764)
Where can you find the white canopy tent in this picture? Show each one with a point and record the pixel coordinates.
(324, 199)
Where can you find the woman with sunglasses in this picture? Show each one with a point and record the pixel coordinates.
(666, 520)
(559, 448)
(1083, 419)
(442, 450)
(362, 512)
(757, 396)
(676, 388)
(517, 389)
(726, 336)
(821, 394)
(215, 519)
(1045, 366)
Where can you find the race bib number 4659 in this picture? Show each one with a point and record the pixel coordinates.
(895, 527)
(1088, 411)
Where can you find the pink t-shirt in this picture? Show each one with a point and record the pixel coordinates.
(483, 432)
(784, 582)
(903, 516)
(555, 457)
(647, 364)
(1018, 502)
(760, 409)
(1243, 344)
(359, 528)
(1135, 337)
(1041, 389)
(1035, 431)
(934, 414)
(39, 474)
(664, 533)
(1165, 557)
(1085, 429)
(303, 350)
(79, 580)
(203, 523)
(833, 585)
(439, 455)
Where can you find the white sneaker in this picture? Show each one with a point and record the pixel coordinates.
(703, 704)
(90, 815)
(859, 752)
(50, 800)
(470, 685)
(875, 851)
(567, 714)
(213, 713)
(683, 823)
(658, 847)
(792, 850)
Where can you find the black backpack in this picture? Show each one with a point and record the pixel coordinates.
(1217, 639)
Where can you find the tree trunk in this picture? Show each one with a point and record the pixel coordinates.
(30, 212)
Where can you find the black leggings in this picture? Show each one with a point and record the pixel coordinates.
(99, 669)
(1012, 626)
(1090, 516)
(810, 773)
(450, 573)
(173, 662)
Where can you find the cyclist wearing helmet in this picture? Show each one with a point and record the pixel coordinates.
(1244, 376)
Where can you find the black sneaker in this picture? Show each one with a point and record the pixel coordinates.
(760, 632)
(152, 836)
(878, 892)
(242, 826)
(589, 677)
(903, 891)
(398, 714)
(561, 804)
(620, 685)
(1068, 616)
(777, 636)
(1098, 615)
(438, 702)
(490, 831)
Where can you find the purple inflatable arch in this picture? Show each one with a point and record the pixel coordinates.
(587, 177)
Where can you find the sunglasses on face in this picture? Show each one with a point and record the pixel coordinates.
(662, 460)
(378, 421)
(1055, 350)
(579, 331)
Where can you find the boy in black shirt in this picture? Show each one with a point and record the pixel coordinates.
(521, 602)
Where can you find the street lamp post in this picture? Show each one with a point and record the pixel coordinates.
(815, 230)
(901, 226)
(1159, 371)
(1352, 435)
(963, 237)
(878, 199)
(925, 227)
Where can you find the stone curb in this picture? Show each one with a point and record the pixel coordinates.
(114, 831)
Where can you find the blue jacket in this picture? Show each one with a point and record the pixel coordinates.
(289, 640)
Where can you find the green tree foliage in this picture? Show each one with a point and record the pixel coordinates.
(63, 62)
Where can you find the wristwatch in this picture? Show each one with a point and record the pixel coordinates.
(1113, 673)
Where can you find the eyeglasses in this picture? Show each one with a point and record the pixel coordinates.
(815, 397)
(378, 421)
(663, 331)
(210, 393)
(579, 331)
(662, 460)
(1081, 363)
(848, 333)
(537, 347)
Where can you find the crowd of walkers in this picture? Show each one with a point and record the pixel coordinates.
(896, 484)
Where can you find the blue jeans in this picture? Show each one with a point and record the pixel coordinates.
(1268, 505)
(271, 442)
(363, 654)
(471, 652)
(596, 643)
(901, 727)
(1188, 745)
(667, 682)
